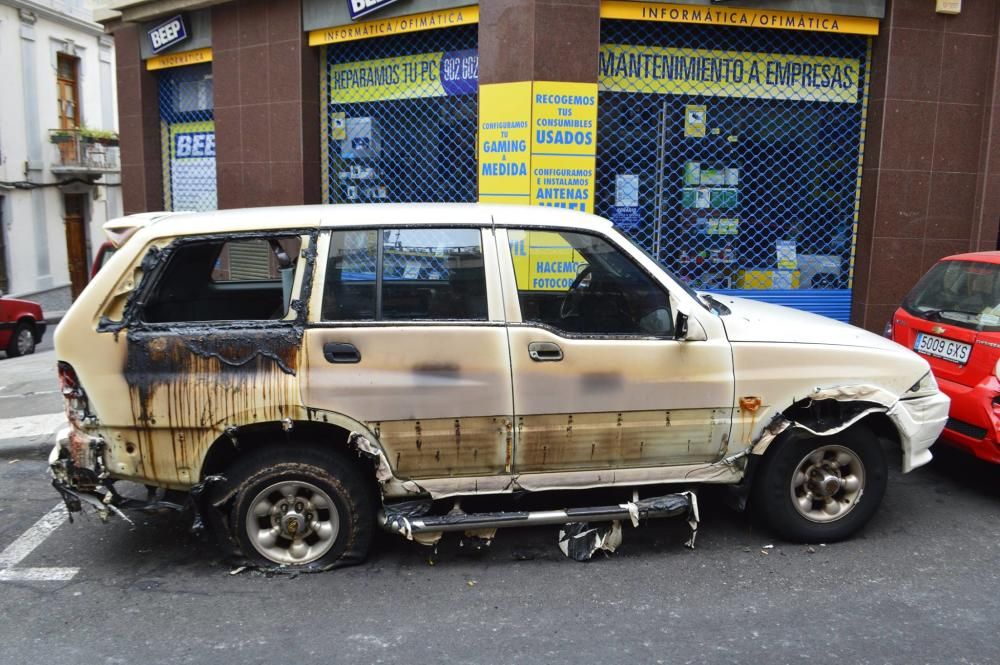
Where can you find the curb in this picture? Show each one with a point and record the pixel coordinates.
(28, 448)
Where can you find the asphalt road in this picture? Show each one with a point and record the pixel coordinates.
(921, 584)
(28, 385)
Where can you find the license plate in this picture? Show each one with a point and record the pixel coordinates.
(939, 347)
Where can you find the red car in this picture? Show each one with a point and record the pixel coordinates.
(952, 318)
(21, 326)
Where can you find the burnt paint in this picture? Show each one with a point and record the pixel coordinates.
(156, 258)
(184, 379)
(157, 358)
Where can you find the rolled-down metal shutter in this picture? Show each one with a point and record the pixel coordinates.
(733, 155)
(249, 260)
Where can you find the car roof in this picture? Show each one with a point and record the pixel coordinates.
(362, 214)
(982, 257)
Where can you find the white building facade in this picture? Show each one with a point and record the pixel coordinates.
(59, 158)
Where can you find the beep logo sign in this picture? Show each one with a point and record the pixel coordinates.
(168, 34)
(194, 145)
(359, 8)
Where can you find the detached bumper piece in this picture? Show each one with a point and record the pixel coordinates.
(91, 487)
(577, 540)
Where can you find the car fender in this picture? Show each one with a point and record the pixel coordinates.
(918, 419)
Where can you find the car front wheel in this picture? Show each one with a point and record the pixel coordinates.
(823, 488)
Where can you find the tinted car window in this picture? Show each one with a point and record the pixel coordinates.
(580, 283)
(405, 275)
(350, 276)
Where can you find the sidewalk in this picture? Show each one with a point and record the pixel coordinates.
(31, 406)
(29, 436)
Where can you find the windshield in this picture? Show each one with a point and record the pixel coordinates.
(960, 293)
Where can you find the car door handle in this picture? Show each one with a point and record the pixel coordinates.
(544, 352)
(341, 352)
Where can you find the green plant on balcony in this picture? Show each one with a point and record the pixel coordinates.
(102, 136)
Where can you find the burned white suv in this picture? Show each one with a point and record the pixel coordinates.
(303, 375)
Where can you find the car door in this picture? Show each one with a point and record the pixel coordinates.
(411, 342)
(599, 379)
(211, 341)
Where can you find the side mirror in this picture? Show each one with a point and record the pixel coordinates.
(681, 326)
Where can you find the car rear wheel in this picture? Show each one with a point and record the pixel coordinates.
(823, 488)
(300, 506)
(22, 342)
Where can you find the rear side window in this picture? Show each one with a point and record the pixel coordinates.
(405, 275)
(236, 279)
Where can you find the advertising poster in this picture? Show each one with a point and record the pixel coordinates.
(543, 261)
(192, 165)
(504, 141)
(405, 77)
(694, 120)
(626, 213)
(563, 144)
(685, 71)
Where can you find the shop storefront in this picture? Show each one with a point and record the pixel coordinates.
(399, 101)
(726, 138)
(733, 153)
(187, 121)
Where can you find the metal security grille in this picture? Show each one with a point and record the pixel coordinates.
(187, 131)
(733, 155)
(400, 118)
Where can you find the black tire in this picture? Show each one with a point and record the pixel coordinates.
(782, 501)
(22, 341)
(302, 467)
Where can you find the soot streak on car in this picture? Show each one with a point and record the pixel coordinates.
(425, 371)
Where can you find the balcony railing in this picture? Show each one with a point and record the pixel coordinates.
(82, 151)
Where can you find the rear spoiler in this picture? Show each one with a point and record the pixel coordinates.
(121, 229)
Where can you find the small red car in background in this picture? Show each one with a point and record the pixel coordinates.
(952, 318)
(21, 326)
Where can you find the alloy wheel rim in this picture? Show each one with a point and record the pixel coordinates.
(292, 522)
(827, 484)
(24, 341)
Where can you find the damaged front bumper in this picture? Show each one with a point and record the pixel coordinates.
(920, 421)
